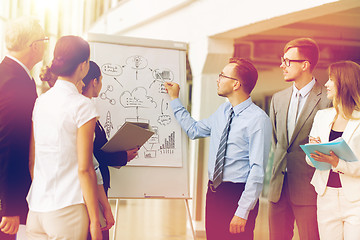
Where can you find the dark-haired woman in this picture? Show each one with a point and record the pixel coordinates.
(61, 152)
(92, 86)
(338, 189)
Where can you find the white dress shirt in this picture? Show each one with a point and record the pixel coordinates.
(57, 115)
(304, 94)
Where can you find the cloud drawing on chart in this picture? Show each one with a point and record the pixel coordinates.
(137, 98)
(164, 119)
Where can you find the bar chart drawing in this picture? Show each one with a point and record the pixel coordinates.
(169, 144)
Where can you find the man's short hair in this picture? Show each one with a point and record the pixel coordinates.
(308, 50)
(247, 73)
(21, 32)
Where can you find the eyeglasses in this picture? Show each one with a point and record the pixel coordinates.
(287, 61)
(221, 75)
(45, 39)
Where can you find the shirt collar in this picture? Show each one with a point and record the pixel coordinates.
(21, 64)
(305, 90)
(242, 106)
(66, 85)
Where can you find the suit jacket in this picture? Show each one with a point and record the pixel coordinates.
(349, 172)
(17, 98)
(287, 152)
(106, 159)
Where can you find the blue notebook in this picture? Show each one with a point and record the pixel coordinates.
(338, 146)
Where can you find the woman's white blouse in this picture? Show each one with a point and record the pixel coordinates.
(57, 115)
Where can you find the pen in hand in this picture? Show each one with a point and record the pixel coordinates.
(314, 140)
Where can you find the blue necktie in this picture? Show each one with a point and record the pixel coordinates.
(220, 156)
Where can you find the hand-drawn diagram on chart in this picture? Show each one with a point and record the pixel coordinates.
(104, 96)
(108, 126)
(133, 91)
(112, 70)
(137, 63)
(136, 99)
(164, 119)
(161, 76)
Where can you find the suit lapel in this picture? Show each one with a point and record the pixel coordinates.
(310, 104)
(284, 109)
(326, 125)
(351, 127)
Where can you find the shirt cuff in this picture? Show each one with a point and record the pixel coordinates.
(241, 212)
(176, 104)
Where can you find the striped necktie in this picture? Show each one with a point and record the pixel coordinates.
(220, 156)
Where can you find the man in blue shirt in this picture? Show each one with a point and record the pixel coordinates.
(240, 134)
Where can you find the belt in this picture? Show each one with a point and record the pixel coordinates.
(211, 186)
(224, 183)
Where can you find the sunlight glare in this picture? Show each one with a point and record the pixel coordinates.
(46, 5)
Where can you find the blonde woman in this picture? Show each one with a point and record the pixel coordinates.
(338, 189)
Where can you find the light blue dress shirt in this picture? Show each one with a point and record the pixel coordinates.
(247, 150)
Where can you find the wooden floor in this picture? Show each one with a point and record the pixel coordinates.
(158, 219)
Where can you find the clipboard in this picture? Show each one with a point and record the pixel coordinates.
(338, 146)
(130, 135)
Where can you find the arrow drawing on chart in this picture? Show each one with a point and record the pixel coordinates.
(163, 119)
(118, 81)
(137, 114)
(162, 104)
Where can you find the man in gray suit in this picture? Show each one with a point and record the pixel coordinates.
(25, 41)
(292, 110)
